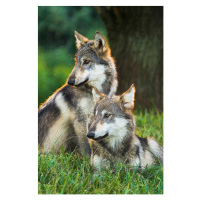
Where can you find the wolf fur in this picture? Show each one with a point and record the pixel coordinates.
(113, 137)
(64, 118)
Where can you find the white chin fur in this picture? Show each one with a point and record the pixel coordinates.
(117, 133)
(117, 130)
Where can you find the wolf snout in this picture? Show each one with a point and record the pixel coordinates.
(91, 135)
(71, 82)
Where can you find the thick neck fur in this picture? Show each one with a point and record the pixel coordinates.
(122, 143)
(109, 84)
(111, 80)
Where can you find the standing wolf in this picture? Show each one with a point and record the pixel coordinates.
(64, 118)
(113, 134)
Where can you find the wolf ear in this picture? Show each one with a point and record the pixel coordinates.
(127, 98)
(80, 39)
(100, 43)
(97, 95)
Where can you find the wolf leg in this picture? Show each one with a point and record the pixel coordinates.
(99, 163)
(81, 129)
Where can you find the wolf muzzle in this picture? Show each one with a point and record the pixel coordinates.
(71, 82)
(91, 135)
(82, 83)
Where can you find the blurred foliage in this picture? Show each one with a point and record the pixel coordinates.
(135, 36)
(56, 43)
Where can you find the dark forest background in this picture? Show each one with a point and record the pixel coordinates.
(135, 36)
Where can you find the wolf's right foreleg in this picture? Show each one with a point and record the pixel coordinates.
(81, 130)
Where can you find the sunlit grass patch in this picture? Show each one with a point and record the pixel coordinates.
(70, 173)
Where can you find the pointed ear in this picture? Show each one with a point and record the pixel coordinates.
(80, 39)
(100, 43)
(127, 98)
(97, 95)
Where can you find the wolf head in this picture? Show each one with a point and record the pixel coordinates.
(94, 64)
(113, 116)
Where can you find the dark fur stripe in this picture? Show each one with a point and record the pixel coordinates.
(68, 94)
(126, 144)
(143, 141)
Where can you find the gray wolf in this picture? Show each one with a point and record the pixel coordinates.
(113, 137)
(64, 118)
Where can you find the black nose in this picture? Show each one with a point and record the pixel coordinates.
(71, 81)
(91, 135)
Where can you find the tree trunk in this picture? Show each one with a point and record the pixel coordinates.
(136, 41)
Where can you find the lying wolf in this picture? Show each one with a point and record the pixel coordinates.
(113, 134)
(64, 118)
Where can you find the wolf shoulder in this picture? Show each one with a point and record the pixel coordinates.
(66, 100)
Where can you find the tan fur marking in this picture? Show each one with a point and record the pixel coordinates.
(57, 133)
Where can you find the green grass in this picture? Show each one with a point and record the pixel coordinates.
(70, 173)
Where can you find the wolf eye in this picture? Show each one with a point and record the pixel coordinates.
(107, 115)
(86, 62)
